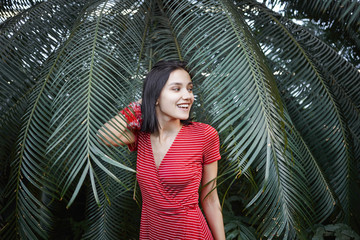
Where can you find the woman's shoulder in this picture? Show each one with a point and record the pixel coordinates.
(203, 126)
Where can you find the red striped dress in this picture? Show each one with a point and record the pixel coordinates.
(170, 196)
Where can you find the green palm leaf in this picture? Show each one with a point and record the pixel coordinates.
(241, 93)
(94, 74)
(27, 173)
(347, 12)
(118, 216)
(28, 185)
(311, 100)
(106, 67)
(10, 9)
(285, 104)
(20, 66)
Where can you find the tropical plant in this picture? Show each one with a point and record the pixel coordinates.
(285, 103)
(337, 22)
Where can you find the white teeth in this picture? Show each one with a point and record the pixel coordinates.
(183, 105)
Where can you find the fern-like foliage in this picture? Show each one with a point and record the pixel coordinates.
(286, 106)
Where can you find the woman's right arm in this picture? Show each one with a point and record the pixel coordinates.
(117, 131)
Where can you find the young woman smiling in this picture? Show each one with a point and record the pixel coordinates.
(174, 156)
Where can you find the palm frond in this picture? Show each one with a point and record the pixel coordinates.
(285, 104)
(240, 92)
(313, 106)
(27, 173)
(343, 15)
(347, 12)
(20, 65)
(165, 44)
(118, 217)
(94, 77)
(28, 180)
(11, 8)
(236, 227)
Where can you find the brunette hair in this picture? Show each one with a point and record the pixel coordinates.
(153, 84)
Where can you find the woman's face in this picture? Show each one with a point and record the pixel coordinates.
(176, 97)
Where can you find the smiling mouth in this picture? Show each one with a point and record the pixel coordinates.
(184, 106)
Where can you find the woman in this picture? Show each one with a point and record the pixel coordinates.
(174, 155)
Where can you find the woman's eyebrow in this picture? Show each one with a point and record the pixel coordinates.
(175, 83)
(179, 84)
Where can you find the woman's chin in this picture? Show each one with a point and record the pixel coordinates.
(184, 117)
(181, 116)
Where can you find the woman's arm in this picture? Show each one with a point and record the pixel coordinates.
(210, 201)
(116, 131)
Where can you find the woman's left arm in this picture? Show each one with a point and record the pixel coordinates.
(210, 201)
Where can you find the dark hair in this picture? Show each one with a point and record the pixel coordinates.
(153, 84)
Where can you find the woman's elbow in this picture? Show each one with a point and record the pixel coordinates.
(210, 200)
(115, 140)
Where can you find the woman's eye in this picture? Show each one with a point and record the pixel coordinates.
(176, 89)
(190, 89)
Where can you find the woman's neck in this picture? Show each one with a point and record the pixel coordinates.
(168, 128)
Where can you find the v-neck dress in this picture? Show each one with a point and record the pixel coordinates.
(170, 196)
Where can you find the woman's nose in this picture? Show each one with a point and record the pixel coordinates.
(186, 94)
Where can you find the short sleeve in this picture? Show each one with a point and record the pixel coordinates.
(211, 148)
